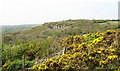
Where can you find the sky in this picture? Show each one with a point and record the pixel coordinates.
(17, 12)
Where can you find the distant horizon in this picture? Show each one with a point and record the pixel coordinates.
(52, 21)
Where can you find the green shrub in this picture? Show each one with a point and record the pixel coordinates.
(20, 64)
(92, 37)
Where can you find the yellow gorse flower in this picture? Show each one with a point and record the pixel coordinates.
(102, 63)
(112, 50)
(111, 31)
(64, 63)
(51, 59)
(99, 52)
(100, 38)
(85, 36)
(66, 56)
(77, 54)
(112, 57)
(115, 56)
(5, 65)
(90, 57)
(66, 67)
(97, 33)
(101, 33)
(95, 41)
(40, 66)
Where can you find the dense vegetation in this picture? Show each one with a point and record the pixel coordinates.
(59, 30)
(93, 51)
(92, 43)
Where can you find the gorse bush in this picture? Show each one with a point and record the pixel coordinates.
(98, 50)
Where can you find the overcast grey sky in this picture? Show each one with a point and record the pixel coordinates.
(40, 11)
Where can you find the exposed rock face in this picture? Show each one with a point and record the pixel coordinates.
(56, 26)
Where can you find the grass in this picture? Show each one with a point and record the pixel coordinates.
(101, 23)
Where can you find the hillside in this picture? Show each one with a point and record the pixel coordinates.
(64, 42)
(58, 30)
(15, 28)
